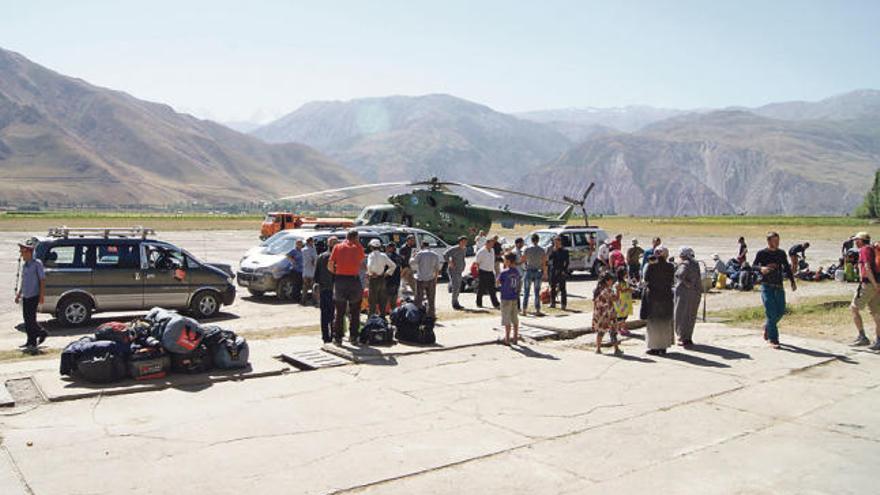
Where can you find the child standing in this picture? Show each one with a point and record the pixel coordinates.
(604, 316)
(623, 301)
(509, 280)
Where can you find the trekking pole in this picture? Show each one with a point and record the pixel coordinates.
(17, 277)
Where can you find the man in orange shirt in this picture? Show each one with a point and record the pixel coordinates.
(345, 263)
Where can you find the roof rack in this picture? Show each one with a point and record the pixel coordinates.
(106, 232)
(580, 227)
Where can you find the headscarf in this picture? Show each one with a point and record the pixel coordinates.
(686, 253)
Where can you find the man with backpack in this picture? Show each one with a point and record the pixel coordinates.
(324, 280)
(868, 292)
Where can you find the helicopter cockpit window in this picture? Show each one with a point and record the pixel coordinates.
(376, 217)
(432, 202)
(364, 216)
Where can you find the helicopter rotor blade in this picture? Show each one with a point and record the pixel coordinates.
(518, 193)
(378, 185)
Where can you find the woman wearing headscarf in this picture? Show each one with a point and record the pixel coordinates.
(688, 290)
(658, 302)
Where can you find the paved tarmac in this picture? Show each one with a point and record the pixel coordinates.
(730, 416)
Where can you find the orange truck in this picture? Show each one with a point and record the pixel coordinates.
(277, 221)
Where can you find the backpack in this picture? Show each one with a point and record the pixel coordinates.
(376, 332)
(101, 361)
(180, 334)
(197, 361)
(115, 331)
(86, 349)
(875, 260)
(231, 352)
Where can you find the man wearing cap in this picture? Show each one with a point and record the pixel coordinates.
(31, 293)
(309, 257)
(324, 281)
(427, 265)
(633, 259)
(345, 264)
(772, 262)
(379, 266)
(868, 292)
(455, 264)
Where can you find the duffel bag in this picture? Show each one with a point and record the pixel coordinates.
(148, 363)
(115, 331)
(101, 362)
(181, 335)
(72, 352)
(86, 348)
(231, 352)
(197, 361)
(376, 332)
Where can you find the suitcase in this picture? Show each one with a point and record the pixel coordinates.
(148, 363)
(104, 368)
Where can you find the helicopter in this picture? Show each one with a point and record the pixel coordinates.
(433, 207)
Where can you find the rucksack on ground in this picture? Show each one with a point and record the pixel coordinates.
(180, 335)
(199, 360)
(100, 361)
(115, 331)
(376, 331)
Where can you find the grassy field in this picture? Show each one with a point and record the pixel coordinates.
(831, 228)
(820, 317)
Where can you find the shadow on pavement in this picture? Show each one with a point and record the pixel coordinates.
(531, 353)
(727, 354)
(695, 360)
(632, 357)
(817, 354)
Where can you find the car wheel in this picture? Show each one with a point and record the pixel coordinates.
(74, 311)
(284, 291)
(206, 304)
(256, 293)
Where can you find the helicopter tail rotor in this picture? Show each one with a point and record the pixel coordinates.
(581, 202)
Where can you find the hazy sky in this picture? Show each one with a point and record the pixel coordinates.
(259, 59)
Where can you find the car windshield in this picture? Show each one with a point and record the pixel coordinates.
(281, 245)
(275, 237)
(269, 218)
(544, 238)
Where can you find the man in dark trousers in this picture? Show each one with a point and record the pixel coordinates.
(557, 262)
(30, 294)
(392, 281)
(345, 264)
(406, 252)
(324, 279)
(772, 262)
(296, 260)
(485, 263)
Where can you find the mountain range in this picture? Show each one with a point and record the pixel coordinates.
(64, 141)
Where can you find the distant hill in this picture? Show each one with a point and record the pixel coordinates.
(581, 123)
(859, 104)
(404, 137)
(720, 162)
(65, 141)
(242, 126)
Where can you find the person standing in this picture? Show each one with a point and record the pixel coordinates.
(536, 271)
(455, 263)
(392, 281)
(633, 260)
(688, 290)
(480, 239)
(603, 255)
(309, 256)
(31, 294)
(617, 243)
(296, 273)
(324, 281)
(655, 243)
(508, 281)
(406, 253)
(427, 265)
(658, 302)
(485, 263)
(519, 250)
(557, 264)
(379, 265)
(868, 292)
(742, 249)
(345, 263)
(604, 316)
(498, 250)
(772, 263)
(797, 253)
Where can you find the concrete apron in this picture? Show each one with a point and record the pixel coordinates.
(267, 358)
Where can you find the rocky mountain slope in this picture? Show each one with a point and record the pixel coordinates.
(65, 141)
(859, 104)
(581, 123)
(721, 162)
(402, 137)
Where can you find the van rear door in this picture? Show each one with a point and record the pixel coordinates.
(67, 267)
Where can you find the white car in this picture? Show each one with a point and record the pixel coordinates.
(581, 242)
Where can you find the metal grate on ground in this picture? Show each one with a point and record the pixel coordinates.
(313, 359)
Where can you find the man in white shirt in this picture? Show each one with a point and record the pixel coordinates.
(427, 265)
(379, 266)
(485, 262)
(310, 258)
(604, 253)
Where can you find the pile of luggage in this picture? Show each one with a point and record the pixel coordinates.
(150, 347)
(408, 323)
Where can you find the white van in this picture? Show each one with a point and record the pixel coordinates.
(581, 242)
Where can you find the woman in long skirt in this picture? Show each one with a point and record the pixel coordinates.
(688, 291)
(658, 302)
